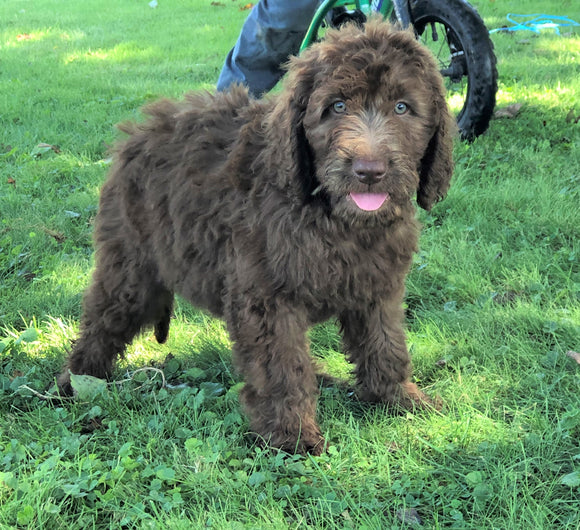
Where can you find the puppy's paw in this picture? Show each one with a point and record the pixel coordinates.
(400, 397)
(410, 397)
(305, 442)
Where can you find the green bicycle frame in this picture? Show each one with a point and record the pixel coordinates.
(383, 7)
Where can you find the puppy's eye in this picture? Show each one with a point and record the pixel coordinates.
(339, 107)
(401, 108)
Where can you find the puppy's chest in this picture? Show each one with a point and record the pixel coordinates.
(326, 274)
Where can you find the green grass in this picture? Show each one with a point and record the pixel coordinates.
(493, 308)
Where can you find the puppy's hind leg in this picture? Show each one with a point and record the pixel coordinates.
(123, 299)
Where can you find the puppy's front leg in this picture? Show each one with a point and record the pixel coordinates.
(271, 351)
(375, 342)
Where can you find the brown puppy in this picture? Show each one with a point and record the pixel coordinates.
(277, 214)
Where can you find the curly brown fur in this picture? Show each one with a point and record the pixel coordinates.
(246, 208)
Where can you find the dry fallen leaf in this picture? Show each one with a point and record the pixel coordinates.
(94, 424)
(43, 149)
(57, 236)
(574, 355)
(246, 7)
(410, 516)
(572, 117)
(55, 148)
(511, 111)
(11, 181)
(346, 516)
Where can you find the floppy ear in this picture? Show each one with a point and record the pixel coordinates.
(436, 165)
(291, 156)
(303, 157)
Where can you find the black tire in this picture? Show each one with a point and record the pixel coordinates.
(465, 53)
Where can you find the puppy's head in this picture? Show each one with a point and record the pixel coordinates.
(370, 127)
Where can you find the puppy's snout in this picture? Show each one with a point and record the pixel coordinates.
(369, 171)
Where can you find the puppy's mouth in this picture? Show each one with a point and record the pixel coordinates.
(369, 202)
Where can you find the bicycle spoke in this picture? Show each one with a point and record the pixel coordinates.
(454, 74)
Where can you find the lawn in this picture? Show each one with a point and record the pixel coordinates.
(493, 307)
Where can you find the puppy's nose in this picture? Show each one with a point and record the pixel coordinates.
(368, 171)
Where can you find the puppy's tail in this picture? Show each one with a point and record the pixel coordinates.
(165, 309)
(162, 328)
(161, 311)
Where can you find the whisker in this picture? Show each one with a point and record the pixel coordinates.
(317, 189)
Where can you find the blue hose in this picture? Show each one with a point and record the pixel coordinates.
(536, 23)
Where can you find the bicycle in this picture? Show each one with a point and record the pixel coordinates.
(468, 63)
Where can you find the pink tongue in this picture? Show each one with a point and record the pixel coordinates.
(369, 201)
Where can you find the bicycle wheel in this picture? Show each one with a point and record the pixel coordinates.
(458, 38)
